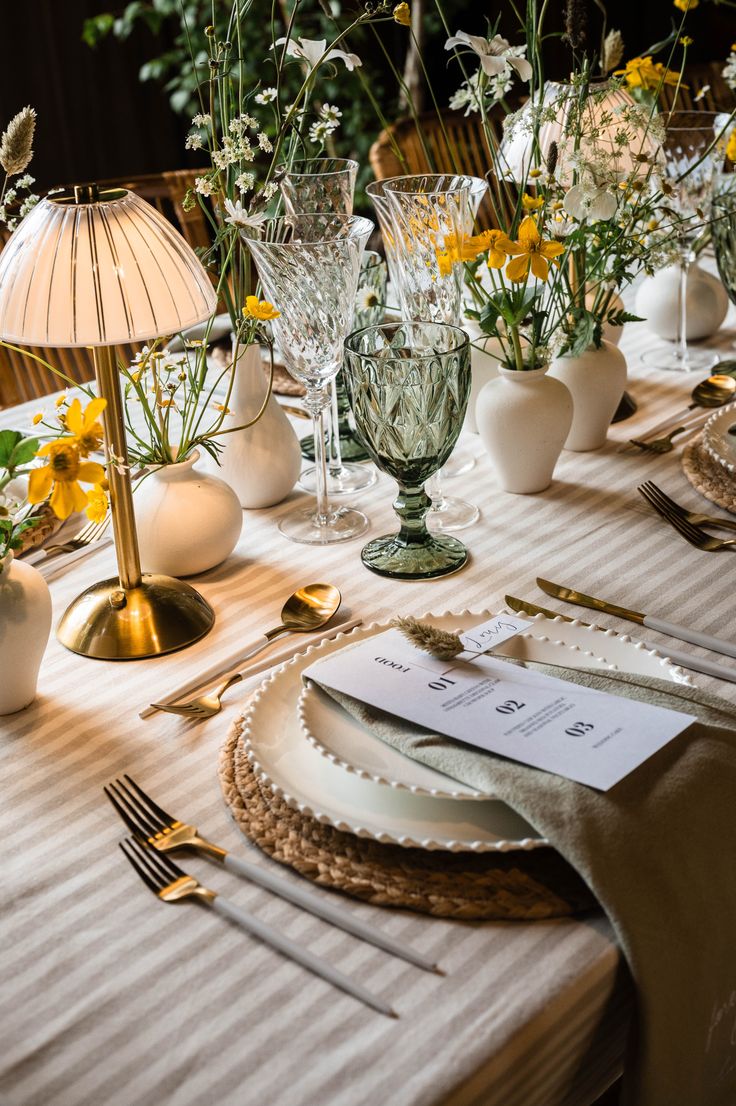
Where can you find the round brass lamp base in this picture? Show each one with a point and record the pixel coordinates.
(117, 624)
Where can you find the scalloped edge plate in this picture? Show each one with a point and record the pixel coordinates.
(293, 769)
(716, 441)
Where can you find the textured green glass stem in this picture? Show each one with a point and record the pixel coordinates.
(411, 505)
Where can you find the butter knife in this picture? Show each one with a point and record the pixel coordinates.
(685, 660)
(683, 633)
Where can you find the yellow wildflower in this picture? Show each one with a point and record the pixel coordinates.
(259, 309)
(686, 5)
(499, 248)
(686, 40)
(60, 476)
(469, 247)
(60, 400)
(402, 15)
(37, 418)
(531, 252)
(731, 147)
(531, 203)
(535, 172)
(86, 430)
(647, 74)
(96, 509)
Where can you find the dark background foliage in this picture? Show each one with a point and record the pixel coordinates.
(97, 120)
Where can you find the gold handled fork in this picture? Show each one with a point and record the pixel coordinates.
(656, 493)
(202, 706)
(158, 830)
(690, 533)
(86, 536)
(170, 884)
(659, 445)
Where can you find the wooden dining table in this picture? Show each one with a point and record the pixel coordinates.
(110, 997)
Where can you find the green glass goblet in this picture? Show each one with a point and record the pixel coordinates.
(408, 385)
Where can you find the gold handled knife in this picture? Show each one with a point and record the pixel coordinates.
(683, 633)
(696, 664)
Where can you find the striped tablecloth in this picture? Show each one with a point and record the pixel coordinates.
(111, 998)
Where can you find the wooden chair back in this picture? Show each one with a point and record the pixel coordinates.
(703, 89)
(22, 378)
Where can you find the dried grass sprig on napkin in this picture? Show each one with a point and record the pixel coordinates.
(438, 643)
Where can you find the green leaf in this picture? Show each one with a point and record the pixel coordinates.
(488, 318)
(9, 439)
(97, 28)
(24, 452)
(587, 332)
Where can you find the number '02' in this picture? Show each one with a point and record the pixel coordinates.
(441, 683)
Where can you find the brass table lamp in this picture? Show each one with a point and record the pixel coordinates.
(103, 268)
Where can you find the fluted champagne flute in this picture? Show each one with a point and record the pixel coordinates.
(309, 265)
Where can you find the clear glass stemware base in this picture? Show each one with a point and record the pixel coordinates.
(348, 479)
(670, 357)
(305, 526)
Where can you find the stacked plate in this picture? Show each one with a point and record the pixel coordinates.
(325, 764)
(719, 439)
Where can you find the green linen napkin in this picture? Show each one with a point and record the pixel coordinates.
(659, 852)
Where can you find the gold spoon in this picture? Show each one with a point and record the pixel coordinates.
(308, 609)
(714, 391)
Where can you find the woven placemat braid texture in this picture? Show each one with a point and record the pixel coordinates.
(502, 886)
(708, 477)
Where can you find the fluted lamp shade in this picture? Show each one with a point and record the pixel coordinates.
(103, 268)
(605, 113)
(99, 274)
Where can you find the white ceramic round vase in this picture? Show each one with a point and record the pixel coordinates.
(658, 301)
(523, 420)
(483, 366)
(188, 520)
(261, 464)
(596, 381)
(25, 624)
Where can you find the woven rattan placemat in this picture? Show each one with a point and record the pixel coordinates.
(512, 886)
(708, 477)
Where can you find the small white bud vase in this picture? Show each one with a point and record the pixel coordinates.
(485, 353)
(25, 624)
(261, 464)
(523, 420)
(658, 301)
(188, 521)
(596, 380)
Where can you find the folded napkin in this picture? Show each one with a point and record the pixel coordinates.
(658, 850)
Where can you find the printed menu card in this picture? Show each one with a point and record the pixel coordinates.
(577, 732)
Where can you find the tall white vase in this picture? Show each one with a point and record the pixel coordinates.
(658, 301)
(523, 420)
(25, 623)
(188, 520)
(596, 380)
(262, 464)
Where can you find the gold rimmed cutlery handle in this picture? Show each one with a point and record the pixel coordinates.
(301, 956)
(328, 911)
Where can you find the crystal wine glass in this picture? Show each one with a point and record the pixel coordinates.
(425, 209)
(309, 267)
(723, 228)
(690, 155)
(327, 184)
(408, 385)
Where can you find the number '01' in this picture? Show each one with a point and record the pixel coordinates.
(441, 683)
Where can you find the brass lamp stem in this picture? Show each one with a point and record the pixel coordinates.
(121, 495)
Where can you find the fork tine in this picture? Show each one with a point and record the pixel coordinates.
(663, 498)
(145, 826)
(161, 863)
(132, 826)
(166, 819)
(137, 866)
(684, 528)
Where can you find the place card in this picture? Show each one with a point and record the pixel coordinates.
(586, 735)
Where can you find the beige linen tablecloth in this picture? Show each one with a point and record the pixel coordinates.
(108, 997)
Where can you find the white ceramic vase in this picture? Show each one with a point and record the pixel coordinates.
(596, 381)
(485, 359)
(261, 464)
(188, 520)
(523, 420)
(658, 301)
(25, 623)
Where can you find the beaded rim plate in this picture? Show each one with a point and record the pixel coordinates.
(347, 743)
(293, 769)
(718, 443)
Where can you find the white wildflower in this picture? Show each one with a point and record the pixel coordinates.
(319, 131)
(25, 181)
(701, 94)
(204, 186)
(330, 114)
(239, 217)
(193, 142)
(200, 120)
(729, 70)
(28, 203)
(588, 204)
(265, 143)
(314, 52)
(270, 190)
(267, 96)
(495, 54)
(245, 182)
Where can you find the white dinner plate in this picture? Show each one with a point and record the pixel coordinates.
(348, 743)
(292, 768)
(718, 442)
(221, 327)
